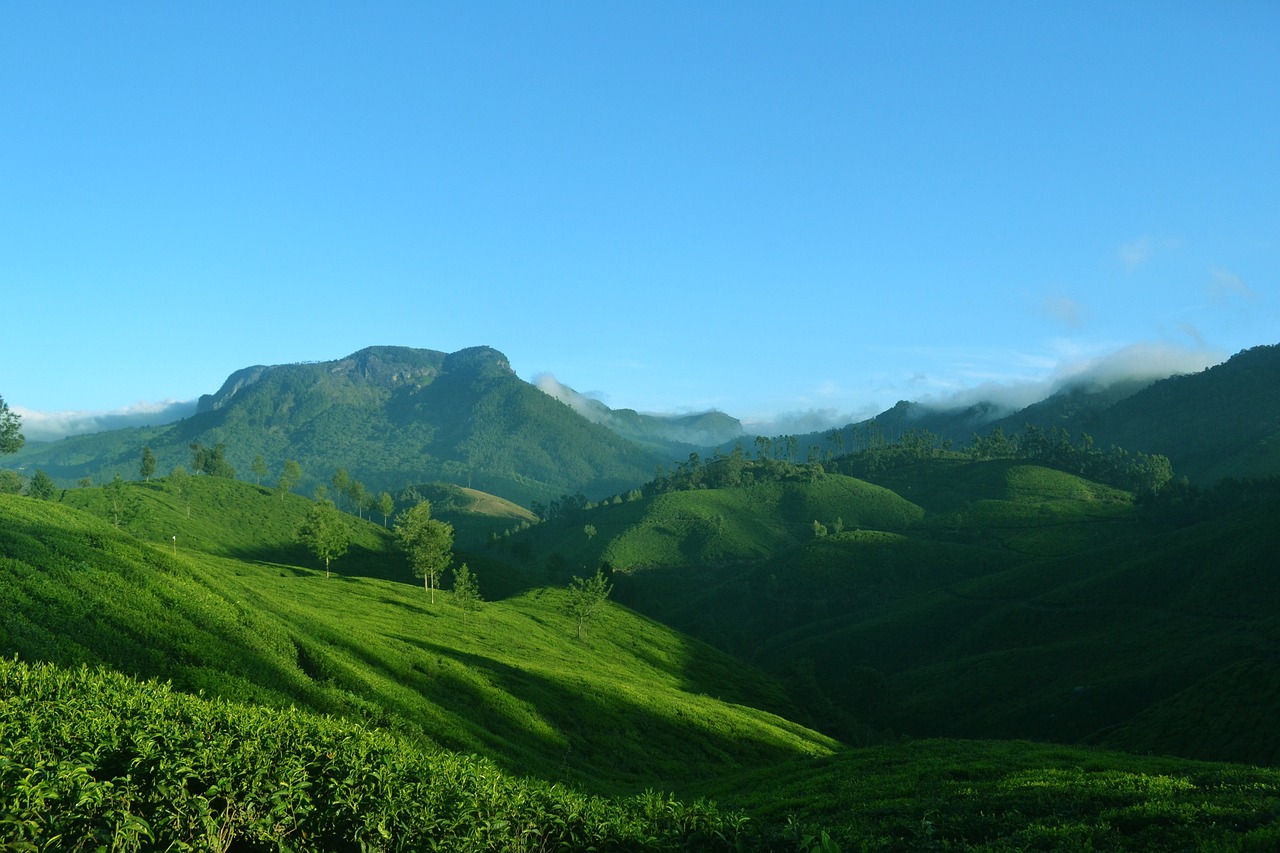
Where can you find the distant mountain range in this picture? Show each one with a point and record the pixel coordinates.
(1223, 421)
(397, 416)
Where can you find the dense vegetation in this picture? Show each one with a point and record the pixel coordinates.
(177, 671)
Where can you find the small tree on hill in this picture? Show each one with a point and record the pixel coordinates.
(428, 543)
(586, 596)
(148, 465)
(121, 504)
(41, 486)
(259, 469)
(324, 531)
(386, 505)
(180, 484)
(10, 438)
(289, 477)
(466, 592)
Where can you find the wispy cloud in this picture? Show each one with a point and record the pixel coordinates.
(51, 426)
(1225, 285)
(1137, 252)
(1068, 311)
(1140, 362)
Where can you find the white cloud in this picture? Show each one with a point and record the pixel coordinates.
(50, 426)
(1141, 361)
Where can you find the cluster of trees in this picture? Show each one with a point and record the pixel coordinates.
(1140, 473)
(723, 471)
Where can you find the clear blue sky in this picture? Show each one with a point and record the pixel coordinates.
(766, 208)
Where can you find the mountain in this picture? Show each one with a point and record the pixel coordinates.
(1223, 421)
(394, 416)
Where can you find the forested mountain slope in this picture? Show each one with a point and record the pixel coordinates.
(391, 416)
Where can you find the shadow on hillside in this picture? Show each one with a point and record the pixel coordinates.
(359, 562)
(604, 738)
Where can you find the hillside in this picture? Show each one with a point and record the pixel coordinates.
(1091, 619)
(390, 416)
(630, 704)
(507, 731)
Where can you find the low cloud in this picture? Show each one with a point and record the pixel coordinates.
(802, 421)
(585, 405)
(1146, 362)
(51, 426)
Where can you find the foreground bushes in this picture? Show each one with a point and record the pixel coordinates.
(92, 759)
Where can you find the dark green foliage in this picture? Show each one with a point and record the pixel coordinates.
(41, 487)
(148, 465)
(1012, 796)
(90, 760)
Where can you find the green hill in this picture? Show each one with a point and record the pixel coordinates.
(391, 416)
(251, 624)
(1027, 603)
(351, 713)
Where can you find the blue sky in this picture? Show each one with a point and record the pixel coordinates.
(780, 210)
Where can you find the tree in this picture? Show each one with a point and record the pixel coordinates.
(180, 484)
(148, 466)
(10, 422)
(324, 531)
(212, 462)
(259, 469)
(341, 482)
(586, 595)
(356, 495)
(590, 530)
(428, 543)
(121, 505)
(41, 486)
(289, 477)
(466, 592)
(386, 505)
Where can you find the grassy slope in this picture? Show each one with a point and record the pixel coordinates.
(632, 705)
(626, 708)
(1022, 583)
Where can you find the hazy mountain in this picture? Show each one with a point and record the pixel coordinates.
(1223, 421)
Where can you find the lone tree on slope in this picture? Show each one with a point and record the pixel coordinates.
(428, 543)
(325, 533)
(586, 596)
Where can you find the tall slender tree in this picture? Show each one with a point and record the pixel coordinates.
(148, 466)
